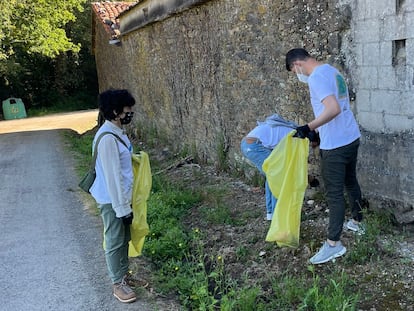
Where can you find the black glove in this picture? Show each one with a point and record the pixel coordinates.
(302, 131)
(127, 220)
(314, 138)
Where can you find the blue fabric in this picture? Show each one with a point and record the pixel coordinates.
(256, 153)
(277, 120)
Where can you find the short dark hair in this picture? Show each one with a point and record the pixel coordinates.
(294, 55)
(114, 100)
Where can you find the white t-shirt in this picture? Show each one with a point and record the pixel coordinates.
(326, 80)
(269, 135)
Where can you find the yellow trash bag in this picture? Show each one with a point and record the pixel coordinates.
(286, 171)
(140, 193)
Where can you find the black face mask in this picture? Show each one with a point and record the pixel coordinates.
(127, 119)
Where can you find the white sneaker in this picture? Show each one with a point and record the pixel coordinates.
(358, 228)
(327, 253)
(269, 216)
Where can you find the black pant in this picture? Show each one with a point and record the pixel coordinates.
(339, 173)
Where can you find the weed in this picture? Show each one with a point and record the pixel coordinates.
(332, 296)
(246, 299)
(217, 211)
(222, 150)
(198, 279)
(217, 214)
(167, 239)
(242, 252)
(257, 180)
(366, 245)
(188, 150)
(288, 291)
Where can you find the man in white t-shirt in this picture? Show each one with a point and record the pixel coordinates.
(339, 142)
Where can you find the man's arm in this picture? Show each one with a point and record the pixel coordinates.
(332, 109)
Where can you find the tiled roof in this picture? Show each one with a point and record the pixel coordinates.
(108, 13)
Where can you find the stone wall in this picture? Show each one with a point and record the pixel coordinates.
(207, 74)
(203, 76)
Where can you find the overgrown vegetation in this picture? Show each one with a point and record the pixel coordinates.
(198, 276)
(194, 260)
(45, 55)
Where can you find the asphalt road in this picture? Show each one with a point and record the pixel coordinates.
(51, 255)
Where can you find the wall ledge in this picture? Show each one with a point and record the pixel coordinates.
(151, 11)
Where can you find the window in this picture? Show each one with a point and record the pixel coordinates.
(398, 5)
(398, 53)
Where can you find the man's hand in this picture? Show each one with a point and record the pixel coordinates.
(305, 132)
(127, 220)
(302, 131)
(314, 139)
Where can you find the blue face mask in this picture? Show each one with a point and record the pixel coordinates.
(301, 77)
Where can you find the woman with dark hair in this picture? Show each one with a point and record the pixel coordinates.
(112, 188)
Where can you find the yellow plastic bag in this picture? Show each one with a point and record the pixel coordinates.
(287, 174)
(140, 193)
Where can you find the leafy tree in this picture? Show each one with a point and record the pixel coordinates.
(45, 52)
(37, 26)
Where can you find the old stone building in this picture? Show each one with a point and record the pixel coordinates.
(203, 72)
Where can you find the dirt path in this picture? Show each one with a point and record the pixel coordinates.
(80, 121)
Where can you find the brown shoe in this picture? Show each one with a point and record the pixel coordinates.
(133, 282)
(123, 292)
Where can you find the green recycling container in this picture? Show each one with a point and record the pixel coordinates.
(13, 108)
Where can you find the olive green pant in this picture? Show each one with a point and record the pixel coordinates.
(116, 239)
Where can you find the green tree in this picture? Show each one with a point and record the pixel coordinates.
(45, 56)
(37, 26)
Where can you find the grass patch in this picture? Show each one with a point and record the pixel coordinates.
(366, 248)
(168, 239)
(333, 295)
(82, 145)
(197, 275)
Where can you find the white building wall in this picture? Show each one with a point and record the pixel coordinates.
(384, 87)
(379, 55)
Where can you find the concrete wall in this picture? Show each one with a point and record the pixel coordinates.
(203, 76)
(380, 56)
(384, 64)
